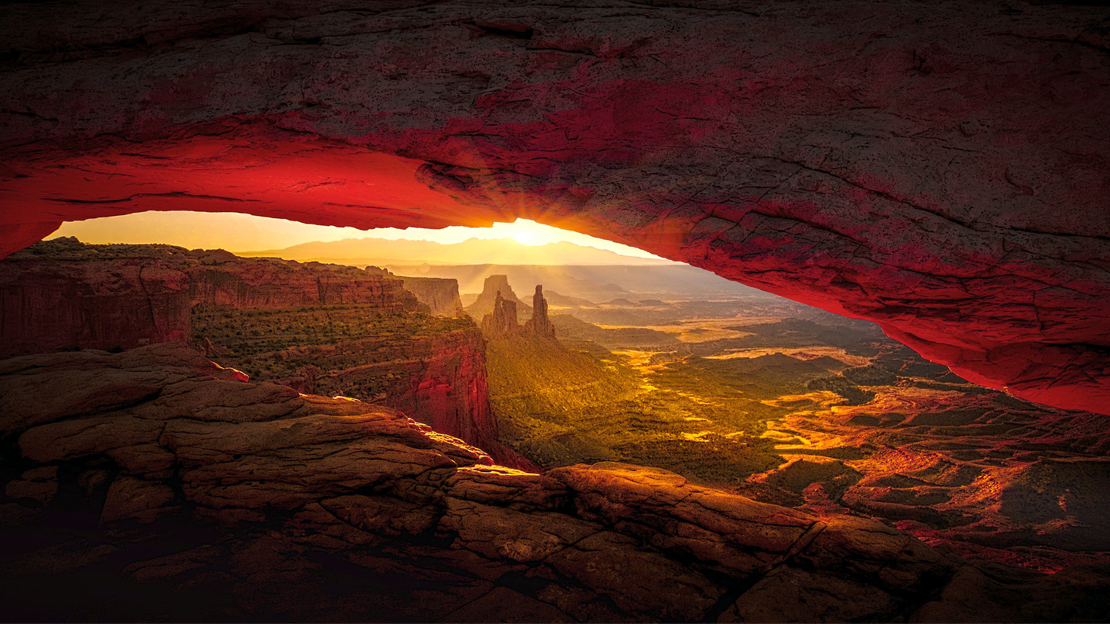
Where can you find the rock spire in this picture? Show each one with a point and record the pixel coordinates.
(502, 322)
(539, 324)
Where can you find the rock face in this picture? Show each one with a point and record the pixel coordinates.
(201, 496)
(539, 324)
(502, 322)
(65, 295)
(939, 170)
(440, 295)
(438, 379)
(62, 295)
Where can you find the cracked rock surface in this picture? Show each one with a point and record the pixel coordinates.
(941, 170)
(212, 498)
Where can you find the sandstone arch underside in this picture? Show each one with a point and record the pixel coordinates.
(940, 169)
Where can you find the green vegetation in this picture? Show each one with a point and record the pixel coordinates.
(701, 409)
(275, 344)
(560, 406)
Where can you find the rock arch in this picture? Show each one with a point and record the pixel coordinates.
(942, 170)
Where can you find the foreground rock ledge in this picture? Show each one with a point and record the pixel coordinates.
(153, 484)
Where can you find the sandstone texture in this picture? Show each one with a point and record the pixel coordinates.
(939, 169)
(438, 379)
(212, 498)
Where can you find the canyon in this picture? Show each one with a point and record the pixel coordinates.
(317, 327)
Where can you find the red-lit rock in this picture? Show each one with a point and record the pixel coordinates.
(941, 170)
(65, 295)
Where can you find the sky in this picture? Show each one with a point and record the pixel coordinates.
(241, 233)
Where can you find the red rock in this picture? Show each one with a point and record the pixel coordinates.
(38, 484)
(439, 294)
(65, 295)
(941, 171)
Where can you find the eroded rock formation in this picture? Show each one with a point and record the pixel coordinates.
(438, 379)
(941, 170)
(216, 498)
(502, 322)
(539, 325)
(495, 286)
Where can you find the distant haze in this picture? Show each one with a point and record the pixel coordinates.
(596, 283)
(504, 251)
(240, 233)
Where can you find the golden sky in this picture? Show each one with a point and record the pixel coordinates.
(241, 233)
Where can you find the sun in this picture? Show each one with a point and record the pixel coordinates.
(530, 233)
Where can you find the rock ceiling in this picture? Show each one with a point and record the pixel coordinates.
(939, 169)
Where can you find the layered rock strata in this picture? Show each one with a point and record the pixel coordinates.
(438, 379)
(62, 294)
(199, 496)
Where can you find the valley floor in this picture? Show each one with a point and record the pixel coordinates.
(817, 413)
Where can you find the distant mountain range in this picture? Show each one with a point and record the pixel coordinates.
(501, 251)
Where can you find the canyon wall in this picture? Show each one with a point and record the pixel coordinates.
(940, 169)
(438, 379)
(63, 295)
